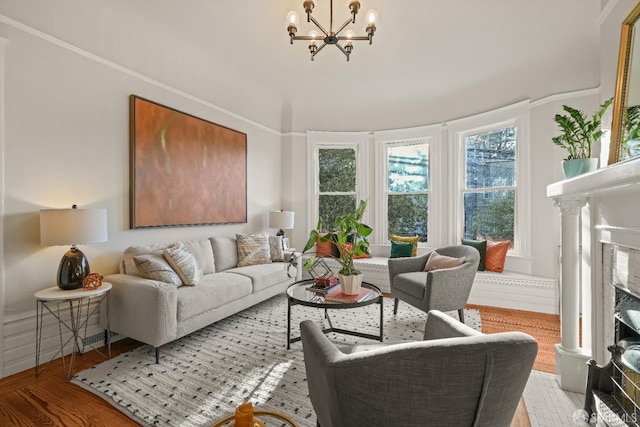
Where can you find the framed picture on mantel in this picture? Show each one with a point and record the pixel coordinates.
(184, 170)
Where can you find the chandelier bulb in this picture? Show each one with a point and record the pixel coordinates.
(293, 19)
(354, 6)
(308, 6)
(372, 17)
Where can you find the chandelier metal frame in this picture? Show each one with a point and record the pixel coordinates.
(331, 37)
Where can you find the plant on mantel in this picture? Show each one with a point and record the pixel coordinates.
(350, 235)
(578, 133)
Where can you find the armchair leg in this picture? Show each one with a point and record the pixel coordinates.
(157, 356)
(395, 305)
(461, 315)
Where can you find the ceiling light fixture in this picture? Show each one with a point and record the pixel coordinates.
(331, 37)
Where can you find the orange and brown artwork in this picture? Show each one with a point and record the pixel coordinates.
(184, 170)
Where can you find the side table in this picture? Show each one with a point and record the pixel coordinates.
(78, 301)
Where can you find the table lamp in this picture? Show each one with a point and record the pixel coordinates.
(72, 227)
(282, 220)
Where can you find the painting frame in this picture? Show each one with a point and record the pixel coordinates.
(184, 170)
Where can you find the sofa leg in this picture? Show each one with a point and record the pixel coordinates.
(157, 355)
(461, 315)
(395, 305)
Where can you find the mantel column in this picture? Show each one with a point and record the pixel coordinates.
(570, 359)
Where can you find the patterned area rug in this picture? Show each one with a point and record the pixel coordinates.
(204, 376)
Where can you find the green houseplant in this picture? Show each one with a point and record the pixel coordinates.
(578, 135)
(350, 235)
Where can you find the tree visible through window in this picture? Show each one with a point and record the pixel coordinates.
(337, 179)
(408, 190)
(490, 184)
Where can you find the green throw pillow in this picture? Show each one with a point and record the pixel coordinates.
(482, 248)
(401, 249)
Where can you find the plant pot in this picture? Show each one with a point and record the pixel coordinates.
(350, 285)
(575, 167)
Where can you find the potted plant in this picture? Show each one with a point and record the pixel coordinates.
(578, 134)
(350, 236)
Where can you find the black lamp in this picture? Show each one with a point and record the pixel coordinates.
(72, 227)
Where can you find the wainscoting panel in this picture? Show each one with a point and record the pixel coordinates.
(20, 338)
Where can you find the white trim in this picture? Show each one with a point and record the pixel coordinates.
(564, 95)
(316, 140)
(68, 46)
(606, 11)
(437, 179)
(3, 46)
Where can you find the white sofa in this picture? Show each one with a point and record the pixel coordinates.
(156, 312)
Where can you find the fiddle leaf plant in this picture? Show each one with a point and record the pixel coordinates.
(579, 132)
(350, 235)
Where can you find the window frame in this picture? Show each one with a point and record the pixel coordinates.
(431, 135)
(335, 140)
(514, 115)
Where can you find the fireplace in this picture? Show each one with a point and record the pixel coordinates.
(612, 396)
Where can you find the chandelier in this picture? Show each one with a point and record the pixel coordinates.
(330, 37)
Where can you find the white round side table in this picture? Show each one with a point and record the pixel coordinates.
(79, 303)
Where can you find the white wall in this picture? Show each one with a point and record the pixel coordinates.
(66, 142)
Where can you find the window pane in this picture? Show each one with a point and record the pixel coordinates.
(408, 214)
(332, 207)
(408, 168)
(491, 159)
(337, 170)
(489, 215)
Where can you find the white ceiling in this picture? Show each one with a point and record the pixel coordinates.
(430, 61)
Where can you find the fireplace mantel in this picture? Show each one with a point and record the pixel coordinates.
(595, 208)
(618, 177)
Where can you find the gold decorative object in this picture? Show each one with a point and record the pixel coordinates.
(244, 416)
(92, 281)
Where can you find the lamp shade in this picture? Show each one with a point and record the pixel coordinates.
(72, 226)
(281, 219)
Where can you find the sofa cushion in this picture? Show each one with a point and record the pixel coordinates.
(412, 283)
(203, 253)
(155, 267)
(253, 249)
(131, 251)
(264, 275)
(183, 263)
(411, 239)
(214, 290)
(225, 252)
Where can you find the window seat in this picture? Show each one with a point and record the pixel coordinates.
(507, 289)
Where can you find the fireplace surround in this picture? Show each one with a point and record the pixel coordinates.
(596, 209)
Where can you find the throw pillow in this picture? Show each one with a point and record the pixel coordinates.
(411, 239)
(437, 262)
(155, 267)
(183, 263)
(253, 249)
(482, 248)
(349, 246)
(401, 249)
(324, 249)
(276, 248)
(497, 255)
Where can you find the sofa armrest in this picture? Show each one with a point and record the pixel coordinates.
(142, 309)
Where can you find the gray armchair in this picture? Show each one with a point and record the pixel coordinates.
(445, 290)
(456, 377)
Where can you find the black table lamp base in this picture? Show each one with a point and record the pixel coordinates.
(73, 268)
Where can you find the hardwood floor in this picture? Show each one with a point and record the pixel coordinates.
(49, 400)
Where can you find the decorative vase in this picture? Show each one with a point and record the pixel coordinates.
(350, 285)
(243, 417)
(575, 167)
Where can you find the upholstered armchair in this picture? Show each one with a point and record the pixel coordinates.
(455, 377)
(443, 289)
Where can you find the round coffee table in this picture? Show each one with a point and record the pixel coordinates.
(297, 294)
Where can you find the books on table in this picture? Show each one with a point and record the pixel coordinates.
(322, 289)
(337, 296)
